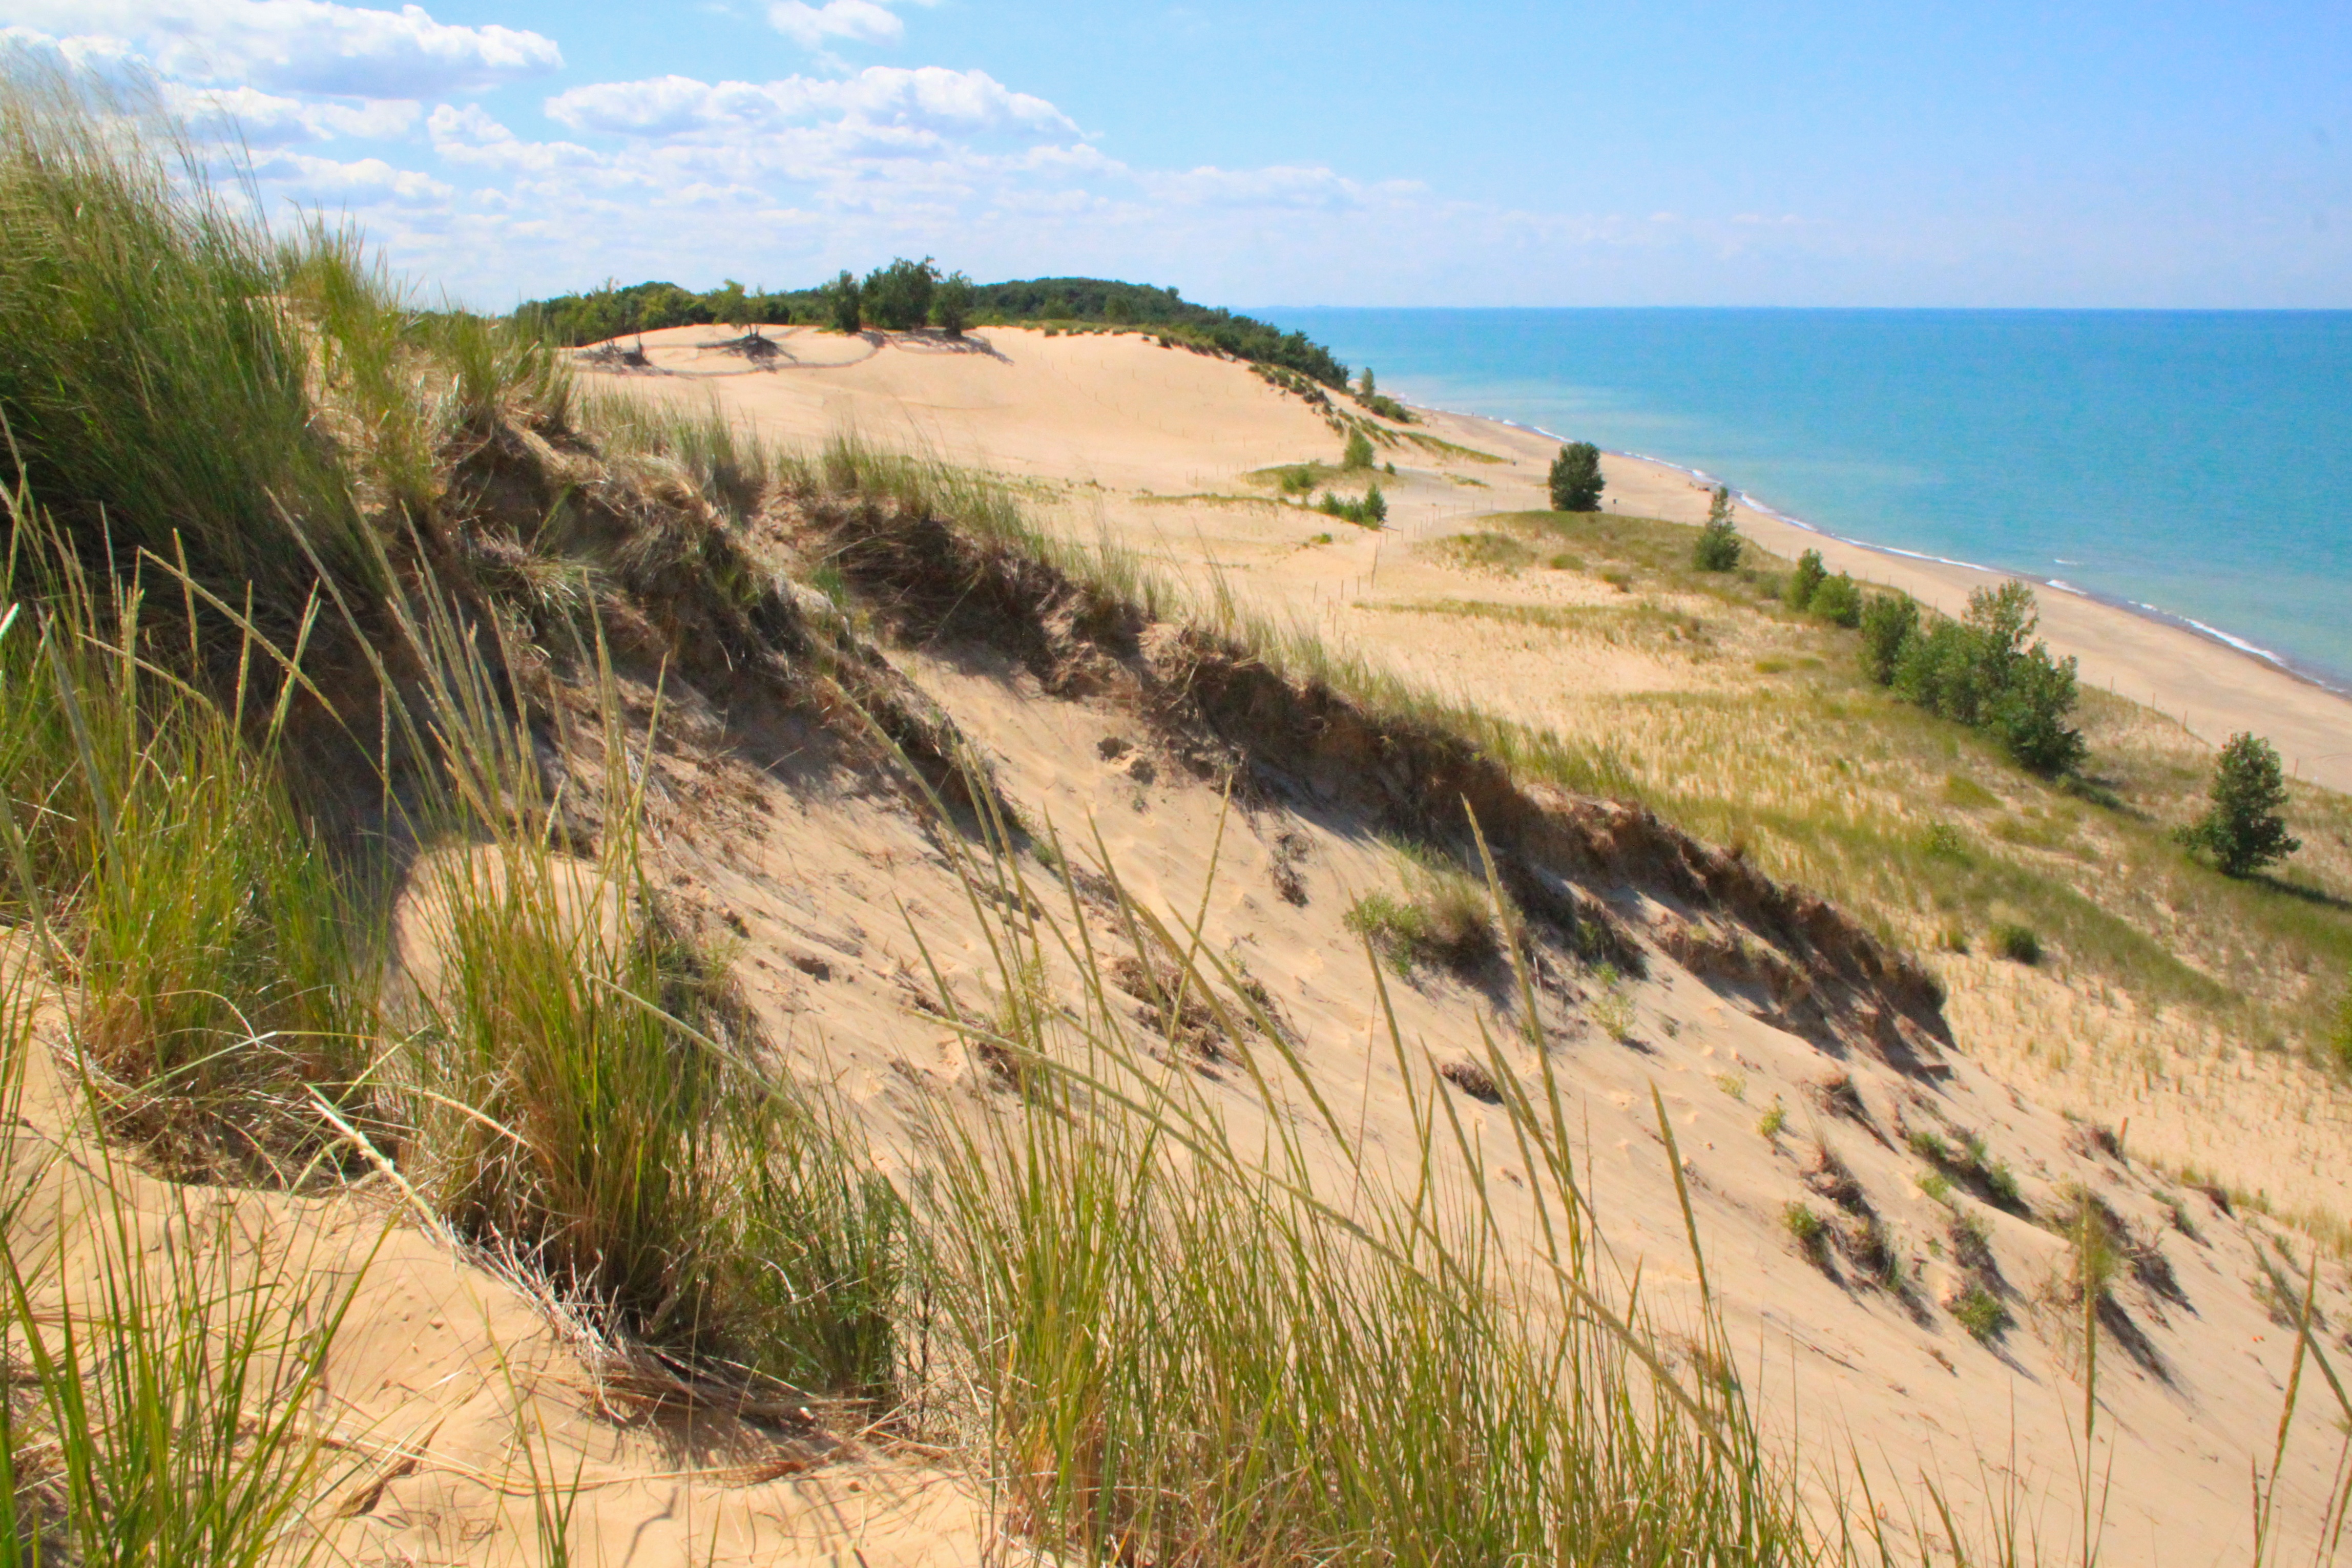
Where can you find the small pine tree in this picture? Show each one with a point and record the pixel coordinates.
(951, 304)
(1376, 508)
(2243, 829)
(1719, 543)
(1576, 479)
(1359, 453)
(845, 303)
(1806, 580)
(1368, 386)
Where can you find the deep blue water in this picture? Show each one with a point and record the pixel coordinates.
(2197, 462)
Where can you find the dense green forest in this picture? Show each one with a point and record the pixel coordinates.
(614, 310)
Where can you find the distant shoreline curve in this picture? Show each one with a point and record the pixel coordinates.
(2334, 685)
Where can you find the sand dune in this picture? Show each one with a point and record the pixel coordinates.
(1159, 449)
(1122, 424)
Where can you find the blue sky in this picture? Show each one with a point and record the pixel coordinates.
(1377, 153)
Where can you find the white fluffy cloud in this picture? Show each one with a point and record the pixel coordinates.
(327, 183)
(928, 98)
(297, 46)
(266, 120)
(470, 135)
(855, 21)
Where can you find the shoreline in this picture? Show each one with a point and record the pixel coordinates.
(2331, 682)
(2287, 664)
(2211, 681)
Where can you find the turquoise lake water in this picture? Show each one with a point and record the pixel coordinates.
(2197, 462)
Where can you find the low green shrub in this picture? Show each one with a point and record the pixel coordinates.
(1612, 1009)
(2016, 943)
(1445, 921)
(1358, 454)
(1807, 1230)
(1944, 843)
(1889, 622)
(1371, 511)
(1979, 1312)
(1838, 601)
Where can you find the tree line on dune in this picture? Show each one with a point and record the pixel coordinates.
(907, 294)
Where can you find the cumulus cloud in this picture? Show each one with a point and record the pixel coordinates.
(297, 45)
(327, 181)
(926, 98)
(470, 135)
(108, 58)
(853, 21)
(266, 120)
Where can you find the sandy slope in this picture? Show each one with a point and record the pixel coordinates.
(838, 900)
(1155, 447)
(1113, 418)
(1880, 1374)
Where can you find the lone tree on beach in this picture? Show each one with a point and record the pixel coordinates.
(1719, 545)
(2243, 829)
(1576, 479)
